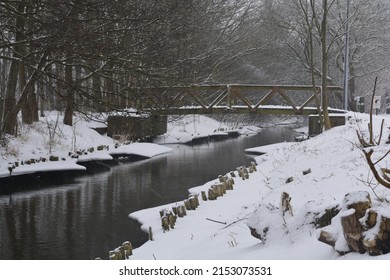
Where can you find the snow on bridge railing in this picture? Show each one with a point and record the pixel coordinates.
(232, 98)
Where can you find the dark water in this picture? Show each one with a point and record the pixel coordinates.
(87, 218)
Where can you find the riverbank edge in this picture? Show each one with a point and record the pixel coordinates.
(70, 168)
(94, 160)
(195, 192)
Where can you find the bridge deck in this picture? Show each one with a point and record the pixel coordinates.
(232, 98)
(261, 110)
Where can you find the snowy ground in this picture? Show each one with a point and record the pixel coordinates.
(218, 229)
(50, 137)
(185, 129)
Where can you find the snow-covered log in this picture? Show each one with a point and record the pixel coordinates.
(364, 229)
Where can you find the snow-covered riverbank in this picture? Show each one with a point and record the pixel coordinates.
(218, 229)
(188, 128)
(49, 145)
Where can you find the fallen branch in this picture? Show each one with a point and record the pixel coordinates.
(215, 221)
(234, 222)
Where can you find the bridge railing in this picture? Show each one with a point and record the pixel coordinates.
(231, 98)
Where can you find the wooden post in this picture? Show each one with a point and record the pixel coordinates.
(253, 164)
(196, 199)
(230, 184)
(204, 197)
(128, 248)
(246, 173)
(217, 190)
(111, 255)
(171, 220)
(165, 223)
(187, 204)
(183, 210)
(151, 234)
(162, 213)
(212, 194)
(118, 254)
(192, 203)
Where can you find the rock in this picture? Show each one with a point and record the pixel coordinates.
(263, 220)
(255, 234)
(289, 180)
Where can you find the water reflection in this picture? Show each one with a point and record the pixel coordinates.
(89, 217)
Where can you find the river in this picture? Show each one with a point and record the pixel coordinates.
(88, 217)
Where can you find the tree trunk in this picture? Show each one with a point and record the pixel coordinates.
(10, 99)
(352, 88)
(30, 107)
(26, 116)
(325, 102)
(68, 116)
(110, 88)
(33, 104)
(10, 118)
(97, 91)
(312, 67)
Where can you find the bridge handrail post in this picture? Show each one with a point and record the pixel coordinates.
(229, 96)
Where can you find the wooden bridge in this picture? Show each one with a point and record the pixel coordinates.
(230, 98)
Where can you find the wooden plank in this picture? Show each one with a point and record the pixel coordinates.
(198, 99)
(237, 92)
(265, 99)
(230, 96)
(242, 110)
(311, 98)
(284, 87)
(219, 99)
(288, 100)
(241, 86)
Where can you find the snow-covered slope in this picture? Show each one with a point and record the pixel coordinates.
(219, 229)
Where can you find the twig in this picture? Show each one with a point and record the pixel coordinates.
(371, 108)
(369, 184)
(382, 157)
(235, 222)
(215, 221)
(380, 180)
(380, 135)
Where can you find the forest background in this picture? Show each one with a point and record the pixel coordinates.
(87, 55)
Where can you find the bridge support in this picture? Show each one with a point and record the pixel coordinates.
(136, 127)
(314, 122)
